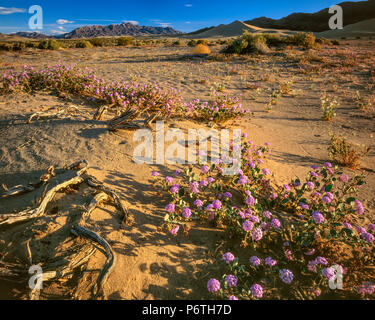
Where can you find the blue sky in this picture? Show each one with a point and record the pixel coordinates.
(183, 15)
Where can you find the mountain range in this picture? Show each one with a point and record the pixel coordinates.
(123, 29)
(113, 30)
(353, 12)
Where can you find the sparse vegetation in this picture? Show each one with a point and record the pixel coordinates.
(259, 43)
(328, 106)
(84, 44)
(346, 153)
(50, 44)
(125, 41)
(201, 49)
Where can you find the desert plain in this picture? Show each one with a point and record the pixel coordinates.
(151, 264)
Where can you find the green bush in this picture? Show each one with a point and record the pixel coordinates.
(49, 45)
(6, 46)
(302, 39)
(31, 44)
(19, 46)
(84, 44)
(260, 43)
(177, 43)
(97, 42)
(124, 41)
(323, 41)
(273, 40)
(248, 43)
(192, 43)
(203, 41)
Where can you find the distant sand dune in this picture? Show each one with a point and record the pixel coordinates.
(361, 29)
(236, 28)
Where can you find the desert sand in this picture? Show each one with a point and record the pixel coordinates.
(151, 264)
(236, 28)
(361, 29)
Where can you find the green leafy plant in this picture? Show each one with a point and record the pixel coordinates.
(293, 233)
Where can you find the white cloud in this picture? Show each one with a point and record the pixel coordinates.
(57, 32)
(12, 10)
(165, 24)
(161, 23)
(136, 23)
(188, 5)
(101, 20)
(187, 22)
(60, 28)
(63, 21)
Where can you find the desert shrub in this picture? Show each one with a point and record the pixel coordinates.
(248, 43)
(192, 43)
(49, 44)
(220, 57)
(178, 43)
(84, 44)
(260, 45)
(323, 41)
(346, 153)
(293, 233)
(31, 44)
(43, 44)
(202, 41)
(124, 41)
(97, 42)
(302, 39)
(328, 106)
(19, 46)
(201, 49)
(273, 39)
(6, 46)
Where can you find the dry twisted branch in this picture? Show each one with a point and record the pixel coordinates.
(17, 190)
(59, 270)
(111, 257)
(48, 115)
(69, 178)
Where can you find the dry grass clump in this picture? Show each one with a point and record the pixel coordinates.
(201, 49)
(346, 153)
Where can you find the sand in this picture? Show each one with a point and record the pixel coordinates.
(361, 29)
(236, 28)
(152, 265)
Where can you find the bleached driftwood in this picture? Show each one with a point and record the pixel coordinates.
(93, 182)
(30, 187)
(129, 120)
(111, 257)
(69, 178)
(62, 113)
(58, 270)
